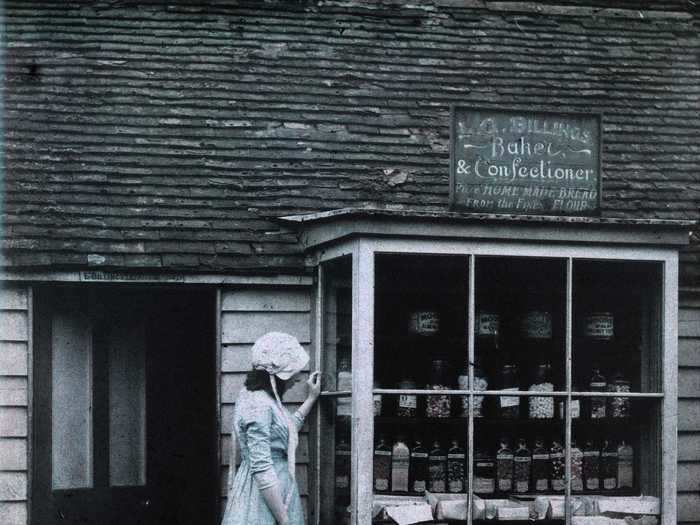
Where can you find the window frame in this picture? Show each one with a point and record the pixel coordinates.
(363, 250)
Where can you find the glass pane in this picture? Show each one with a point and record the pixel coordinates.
(127, 403)
(617, 328)
(71, 400)
(519, 333)
(616, 459)
(519, 469)
(420, 344)
(336, 411)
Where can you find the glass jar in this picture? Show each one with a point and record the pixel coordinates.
(342, 466)
(509, 406)
(344, 384)
(418, 468)
(576, 468)
(597, 404)
(542, 407)
(625, 466)
(408, 403)
(608, 465)
(591, 467)
(522, 467)
(484, 472)
(619, 407)
(400, 459)
(481, 383)
(377, 401)
(437, 469)
(382, 466)
(557, 464)
(438, 405)
(463, 384)
(456, 479)
(504, 466)
(540, 466)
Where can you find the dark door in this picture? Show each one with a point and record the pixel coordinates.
(125, 408)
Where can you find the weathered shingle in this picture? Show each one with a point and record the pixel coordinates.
(168, 135)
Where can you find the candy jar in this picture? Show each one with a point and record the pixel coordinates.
(576, 468)
(597, 384)
(382, 466)
(542, 407)
(540, 466)
(484, 472)
(456, 468)
(625, 466)
(619, 407)
(591, 467)
(377, 401)
(437, 469)
(463, 384)
(504, 466)
(418, 468)
(522, 467)
(344, 384)
(608, 465)
(407, 402)
(342, 466)
(557, 464)
(509, 406)
(438, 405)
(400, 459)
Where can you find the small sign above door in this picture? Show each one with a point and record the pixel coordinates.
(517, 162)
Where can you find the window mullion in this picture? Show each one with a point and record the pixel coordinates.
(470, 351)
(569, 350)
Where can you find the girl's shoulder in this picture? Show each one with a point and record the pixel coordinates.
(253, 404)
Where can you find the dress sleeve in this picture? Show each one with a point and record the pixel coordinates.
(298, 419)
(257, 429)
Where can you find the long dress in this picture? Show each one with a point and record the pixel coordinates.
(262, 434)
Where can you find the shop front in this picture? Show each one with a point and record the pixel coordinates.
(507, 368)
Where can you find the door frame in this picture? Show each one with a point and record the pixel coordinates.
(39, 302)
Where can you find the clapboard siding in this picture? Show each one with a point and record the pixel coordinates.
(246, 314)
(689, 410)
(14, 401)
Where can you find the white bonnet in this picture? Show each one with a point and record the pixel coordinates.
(279, 354)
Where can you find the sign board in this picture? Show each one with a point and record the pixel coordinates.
(518, 162)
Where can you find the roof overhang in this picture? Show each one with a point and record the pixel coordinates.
(320, 229)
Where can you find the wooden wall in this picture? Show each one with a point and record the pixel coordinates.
(246, 314)
(14, 398)
(689, 409)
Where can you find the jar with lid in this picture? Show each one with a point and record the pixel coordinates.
(408, 403)
(418, 468)
(575, 406)
(504, 466)
(608, 465)
(576, 468)
(400, 459)
(625, 466)
(481, 383)
(542, 407)
(619, 407)
(591, 466)
(597, 384)
(382, 466)
(438, 405)
(540, 466)
(463, 384)
(557, 464)
(484, 472)
(344, 384)
(437, 469)
(456, 479)
(342, 467)
(377, 400)
(509, 406)
(522, 467)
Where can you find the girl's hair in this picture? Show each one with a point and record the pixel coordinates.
(260, 380)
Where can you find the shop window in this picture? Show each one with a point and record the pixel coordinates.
(507, 388)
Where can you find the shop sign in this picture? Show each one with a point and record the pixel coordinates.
(516, 162)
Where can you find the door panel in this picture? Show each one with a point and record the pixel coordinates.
(124, 419)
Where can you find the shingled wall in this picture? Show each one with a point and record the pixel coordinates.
(153, 135)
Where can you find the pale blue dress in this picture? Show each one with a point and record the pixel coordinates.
(262, 435)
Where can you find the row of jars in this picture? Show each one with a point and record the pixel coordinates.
(400, 469)
(507, 407)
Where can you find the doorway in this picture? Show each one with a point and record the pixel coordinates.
(125, 427)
